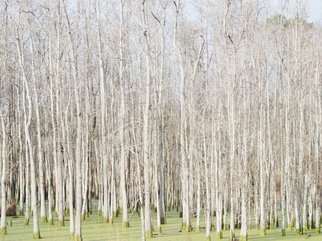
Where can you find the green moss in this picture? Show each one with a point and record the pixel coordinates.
(219, 235)
(126, 224)
(94, 229)
(36, 236)
(3, 231)
(318, 230)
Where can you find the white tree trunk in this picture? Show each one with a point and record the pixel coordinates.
(30, 159)
(121, 122)
(3, 225)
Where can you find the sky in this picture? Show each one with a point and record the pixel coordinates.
(314, 9)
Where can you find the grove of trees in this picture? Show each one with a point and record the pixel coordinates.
(144, 105)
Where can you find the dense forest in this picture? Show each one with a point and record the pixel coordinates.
(140, 106)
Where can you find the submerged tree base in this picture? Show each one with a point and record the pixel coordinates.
(77, 238)
(116, 213)
(43, 219)
(225, 226)
(3, 231)
(106, 220)
(299, 231)
(198, 229)
(292, 223)
(149, 234)
(219, 235)
(85, 215)
(36, 235)
(159, 229)
(277, 224)
(162, 220)
(208, 238)
(283, 232)
(126, 224)
(243, 238)
(186, 227)
(263, 232)
(26, 222)
(61, 223)
(50, 221)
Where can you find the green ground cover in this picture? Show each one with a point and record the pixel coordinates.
(95, 230)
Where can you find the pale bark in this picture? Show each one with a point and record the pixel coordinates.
(29, 149)
(121, 122)
(105, 205)
(3, 224)
(78, 157)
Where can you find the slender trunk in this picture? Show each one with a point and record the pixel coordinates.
(122, 121)
(43, 217)
(30, 159)
(105, 204)
(147, 196)
(3, 225)
(78, 156)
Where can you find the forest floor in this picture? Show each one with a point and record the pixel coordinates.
(95, 230)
